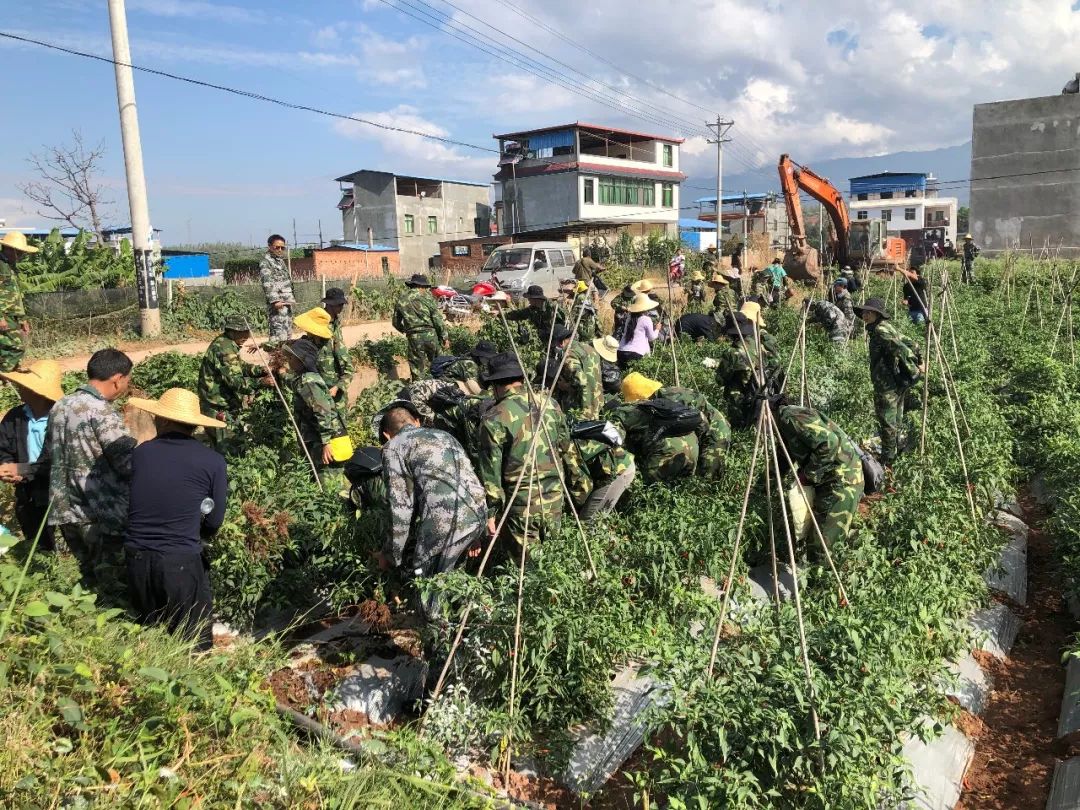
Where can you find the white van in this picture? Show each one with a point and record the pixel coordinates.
(519, 266)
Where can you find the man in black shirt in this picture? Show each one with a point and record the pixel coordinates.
(178, 492)
(697, 327)
(916, 294)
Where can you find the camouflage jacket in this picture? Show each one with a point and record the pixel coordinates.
(90, 449)
(842, 299)
(335, 364)
(585, 268)
(738, 363)
(658, 460)
(464, 422)
(276, 282)
(715, 433)
(224, 378)
(894, 357)
(416, 313)
(462, 369)
(542, 318)
(420, 394)
(695, 296)
(436, 501)
(723, 302)
(603, 462)
(11, 299)
(316, 416)
(580, 392)
(822, 451)
(587, 328)
(506, 435)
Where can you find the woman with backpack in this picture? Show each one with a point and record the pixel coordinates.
(638, 332)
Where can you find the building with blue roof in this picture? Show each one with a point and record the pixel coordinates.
(909, 204)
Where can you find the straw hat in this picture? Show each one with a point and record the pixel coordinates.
(177, 405)
(642, 303)
(637, 387)
(43, 378)
(607, 347)
(643, 286)
(719, 280)
(752, 311)
(315, 322)
(697, 275)
(17, 240)
(966, 236)
(498, 297)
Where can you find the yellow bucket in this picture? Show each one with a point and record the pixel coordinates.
(341, 448)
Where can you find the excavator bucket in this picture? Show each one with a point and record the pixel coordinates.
(801, 263)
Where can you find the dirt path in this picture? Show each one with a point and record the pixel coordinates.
(353, 333)
(1015, 752)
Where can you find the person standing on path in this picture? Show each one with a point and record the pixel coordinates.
(24, 455)
(277, 286)
(894, 368)
(779, 278)
(14, 327)
(91, 448)
(178, 492)
(417, 316)
(225, 380)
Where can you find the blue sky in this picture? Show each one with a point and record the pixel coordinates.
(856, 80)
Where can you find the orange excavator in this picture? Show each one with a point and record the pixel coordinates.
(863, 242)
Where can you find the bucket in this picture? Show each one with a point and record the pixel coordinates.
(341, 448)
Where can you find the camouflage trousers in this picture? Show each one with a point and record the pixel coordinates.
(711, 460)
(889, 410)
(836, 500)
(538, 527)
(967, 271)
(665, 467)
(100, 557)
(12, 348)
(423, 349)
(280, 323)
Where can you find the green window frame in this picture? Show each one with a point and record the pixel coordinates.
(410, 224)
(589, 194)
(627, 191)
(669, 155)
(432, 224)
(667, 195)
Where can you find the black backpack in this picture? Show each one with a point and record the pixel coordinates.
(446, 398)
(441, 364)
(610, 377)
(872, 470)
(670, 419)
(366, 463)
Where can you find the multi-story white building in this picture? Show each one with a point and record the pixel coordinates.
(587, 178)
(908, 202)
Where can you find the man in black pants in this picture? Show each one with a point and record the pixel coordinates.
(178, 492)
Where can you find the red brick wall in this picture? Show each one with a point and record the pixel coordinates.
(471, 264)
(349, 263)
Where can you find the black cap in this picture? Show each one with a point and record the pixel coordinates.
(873, 305)
(534, 291)
(305, 351)
(418, 280)
(503, 367)
(559, 333)
(335, 296)
(484, 350)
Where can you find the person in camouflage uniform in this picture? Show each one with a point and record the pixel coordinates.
(611, 469)
(277, 286)
(541, 312)
(91, 448)
(829, 317)
(769, 345)
(841, 298)
(723, 301)
(313, 408)
(335, 364)
(463, 419)
(967, 262)
(466, 370)
(582, 303)
(894, 368)
(417, 316)
(13, 324)
(738, 365)
(437, 505)
(225, 379)
(507, 455)
(580, 389)
(695, 294)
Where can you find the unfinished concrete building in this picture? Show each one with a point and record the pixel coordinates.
(1025, 174)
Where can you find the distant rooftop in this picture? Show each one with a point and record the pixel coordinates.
(33, 230)
(594, 128)
(696, 224)
(881, 175)
(351, 178)
(738, 197)
(377, 248)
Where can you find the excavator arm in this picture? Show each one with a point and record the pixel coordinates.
(793, 179)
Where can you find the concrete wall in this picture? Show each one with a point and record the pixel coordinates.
(541, 201)
(1031, 150)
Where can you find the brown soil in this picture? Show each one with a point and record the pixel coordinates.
(1016, 751)
(376, 615)
(539, 791)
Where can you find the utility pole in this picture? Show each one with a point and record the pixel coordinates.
(141, 232)
(293, 232)
(821, 229)
(320, 233)
(720, 129)
(745, 220)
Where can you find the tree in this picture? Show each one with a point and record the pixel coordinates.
(963, 216)
(68, 190)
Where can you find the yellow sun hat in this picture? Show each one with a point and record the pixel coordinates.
(581, 287)
(719, 280)
(637, 387)
(43, 377)
(177, 405)
(697, 275)
(17, 240)
(607, 347)
(315, 322)
(752, 311)
(643, 286)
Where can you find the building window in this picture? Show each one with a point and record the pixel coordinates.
(462, 250)
(410, 224)
(622, 191)
(939, 216)
(862, 215)
(886, 215)
(669, 155)
(432, 224)
(860, 196)
(385, 265)
(909, 214)
(909, 193)
(488, 248)
(667, 195)
(886, 195)
(590, 191)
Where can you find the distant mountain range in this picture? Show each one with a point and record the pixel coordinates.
(952, 163)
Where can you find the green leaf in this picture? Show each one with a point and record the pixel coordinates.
(8, 540)
(242, 716)
(57, 599)
(70, 710)
(83, 669)
(154, 674)
(36, 608)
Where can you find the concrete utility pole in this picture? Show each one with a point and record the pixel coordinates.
(745, 220)
(720, 128)
(141, 232)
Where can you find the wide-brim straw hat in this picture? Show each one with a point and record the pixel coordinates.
(177, 405)
(607, 347)
(711, 249)
(719, 280)
(697, 275)
(752, 311)
(872, 305)
(17, 240)
(967, 236)
(643, 286)
(642, 303)
(315, 322)
(43, 378)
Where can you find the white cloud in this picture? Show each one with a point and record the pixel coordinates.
(398, 63)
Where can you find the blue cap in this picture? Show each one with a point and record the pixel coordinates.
(840, 282)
